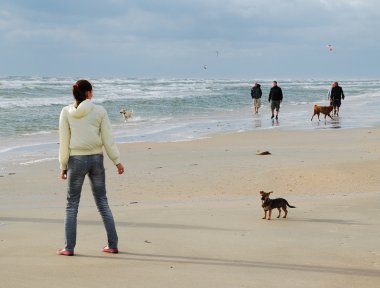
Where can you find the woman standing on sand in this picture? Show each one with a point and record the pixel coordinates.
(84, 128)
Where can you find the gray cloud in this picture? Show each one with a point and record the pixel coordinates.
(174, 38)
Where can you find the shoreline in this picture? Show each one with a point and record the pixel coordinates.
(46, 144)
(184, 112)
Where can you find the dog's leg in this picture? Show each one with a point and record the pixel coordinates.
(279, 212)
(312, 117)
(265, 216)
(330, 116)
(270, 214)
(285, 210)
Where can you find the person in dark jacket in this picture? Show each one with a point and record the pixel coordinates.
(256, 96)
(336, 96)
(275, 98)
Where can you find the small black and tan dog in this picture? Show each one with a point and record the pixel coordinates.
(269, 204)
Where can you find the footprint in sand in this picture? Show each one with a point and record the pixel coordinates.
(376, 262)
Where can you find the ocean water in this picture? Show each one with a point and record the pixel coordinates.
(168, 110)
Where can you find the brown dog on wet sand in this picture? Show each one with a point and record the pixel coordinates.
(269, 204)
(322, 109)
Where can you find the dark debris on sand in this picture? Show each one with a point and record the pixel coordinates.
(264, 153)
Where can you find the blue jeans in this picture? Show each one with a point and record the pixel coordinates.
(78, 168)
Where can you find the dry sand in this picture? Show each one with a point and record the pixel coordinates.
(197, 221)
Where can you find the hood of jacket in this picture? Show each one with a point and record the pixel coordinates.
(82, 110)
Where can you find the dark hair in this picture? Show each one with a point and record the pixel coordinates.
(79, 90)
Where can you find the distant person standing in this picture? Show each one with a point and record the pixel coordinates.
(275, 98)
(256, 94)
(336, 96)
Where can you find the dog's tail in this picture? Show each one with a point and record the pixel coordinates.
(289, 205)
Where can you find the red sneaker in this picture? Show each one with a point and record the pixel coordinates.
(65, 252)
(110, 250)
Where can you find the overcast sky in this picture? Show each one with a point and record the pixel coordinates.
(256, 39)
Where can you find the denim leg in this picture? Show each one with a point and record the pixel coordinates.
(97, 180)
(76, 173)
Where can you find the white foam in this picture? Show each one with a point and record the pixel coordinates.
(38, 161)
(38, 133)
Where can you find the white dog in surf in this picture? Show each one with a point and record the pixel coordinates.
(125, 113)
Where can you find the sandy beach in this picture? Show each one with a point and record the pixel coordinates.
(189, 215)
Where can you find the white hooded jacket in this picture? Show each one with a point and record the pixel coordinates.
(84, 131)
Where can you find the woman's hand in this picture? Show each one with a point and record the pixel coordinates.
(64, 174)
(120, 168)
